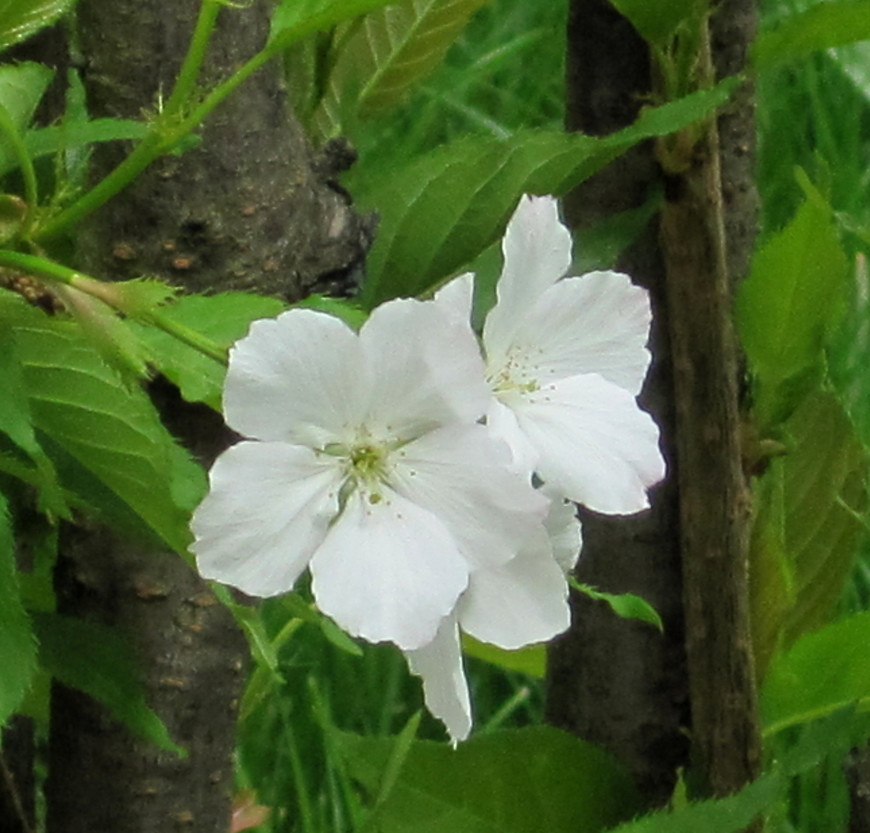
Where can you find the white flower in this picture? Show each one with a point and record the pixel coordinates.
(366, 464)
(509, 605)
(565, 359)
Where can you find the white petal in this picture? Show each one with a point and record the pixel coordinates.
(597, 323)
(564, 531)
(596, 446)
(501, 422)
(456, 298)
(461, 475)
(297, 378)
(269, 508)
(388, 571)
(537, 252)
(445, 688)
(426, 369)
(518, 603)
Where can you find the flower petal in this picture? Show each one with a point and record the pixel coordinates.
(596, 446)
(597, 323)
(501, 422)
(268, 509)
(564, 531)
(388, 570)
(461, 475)
(426, 369)
(515, 604)
(445, 688)
(456, 298)
(297, 378)
(537, 252)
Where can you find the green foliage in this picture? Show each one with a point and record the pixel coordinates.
(106, 431)
(17, 645)
(809, 523)
(293, 20)
(389, 51)
(821, 26)
(624, 605)
(224, 318)
(787, 307)
(531, 660)
(823, 671)
(443, 209)
(21, 88)
(521, 781)
(19, 19)
(659, 21)
(97, 660)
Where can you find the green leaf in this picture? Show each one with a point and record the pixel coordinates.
(69, 135)
(98, 660)
(625, 605)
(19, 19)
(111, 430)
(443, 209)
(16, 423)
(510, 781)
(823, 671)
(822, 26)
(21, 88)
(386, 54)
(531, 660)
(722, 815)
(17, 646)
(657, 21)
(293, 20)
(786, 308)
(224, 318)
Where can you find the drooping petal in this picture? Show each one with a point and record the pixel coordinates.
(596, 446)
(268, 509)
(537, 252)
(297, 378)
(461, 475)
(445, 688)
(565, 532)
(426, 369)
(388, 571)
(518, 603)
(501, 422)
(597, 323)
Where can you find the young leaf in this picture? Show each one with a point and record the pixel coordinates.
(387, 53)
(722, 815)
(443, 209)
(511, 781)
(21, 88)
(293, 20)
(657, 21)
(97, 660)
(19, 19)
(822, 672)
(625, 605)
(822, 26)
(224, 318)
(17, 646)
(110, 430)
(786, 307)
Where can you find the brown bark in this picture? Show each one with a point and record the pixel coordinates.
(858, 780)
(714, 497)
(252, 207)
(17, 780)
(616, 683)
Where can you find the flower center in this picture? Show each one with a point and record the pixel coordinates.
(513, 376)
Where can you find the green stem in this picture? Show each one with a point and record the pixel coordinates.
(193, 60)
(52, 271)
(19, 150)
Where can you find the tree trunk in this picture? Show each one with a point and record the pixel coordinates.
(616, 683)
(251, 207)
(625, 688)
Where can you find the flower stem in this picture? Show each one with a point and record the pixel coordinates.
(52, 271)
(19, 150)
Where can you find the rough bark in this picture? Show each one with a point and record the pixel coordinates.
(616, 683)
(251, 207)
(858, 780)
(17, 781)
(714, 496)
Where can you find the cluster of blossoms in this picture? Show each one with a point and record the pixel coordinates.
(426, 483)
